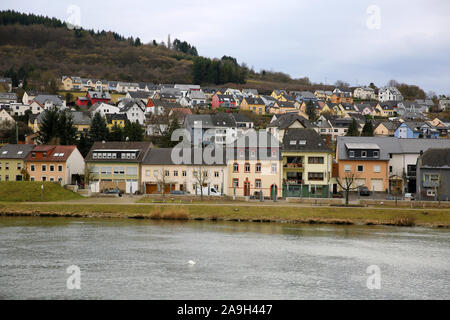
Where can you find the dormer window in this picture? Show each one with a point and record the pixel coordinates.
(44, 154)
(352, 154)
(363, 154)
(376, 154)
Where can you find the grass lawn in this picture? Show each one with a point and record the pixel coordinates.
(24, 191)
(246, 213)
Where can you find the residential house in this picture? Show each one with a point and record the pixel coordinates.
(277, 94)
(254, 166)
(269, 101)
(255, 105)
(7, 98)
(81, 120)
(250, 93)
(6, 83)
(98, 97)
(45, 102)
(223, 101)
(116, 165)
(444, 105)
(115, 120)
(386, 109)
(362, 163)
(304, 96)
(307, 164)
(433, 175)
(163, 173)
(103, 109)
(341, 97)
(282, 107)
(218, 128)
(365, 109)
(194, 99)
(12, 161)
(386, 128)
(281, 124)
(141, 95)
(364, 93)
(6, 120)
(414, 130)
(69, 83)
(125, 87)
(389, 94)
(63, 164)
(135, 111)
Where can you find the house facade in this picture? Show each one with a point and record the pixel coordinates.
(12, 161)
(389, 94)
(433, 175)
(116, 165)
(60, 164)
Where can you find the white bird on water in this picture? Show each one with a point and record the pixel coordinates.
(192, 263)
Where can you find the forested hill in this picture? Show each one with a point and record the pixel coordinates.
(29, 42)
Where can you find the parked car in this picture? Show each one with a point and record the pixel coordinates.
(364, 191)
(212, 192)
(114, 191)
(409, 196)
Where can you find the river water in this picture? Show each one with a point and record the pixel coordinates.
(124, 259)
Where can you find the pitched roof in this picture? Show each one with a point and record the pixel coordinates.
(306, 140)
(41, 99)
(115, 116)
(15, 151)
(54, 153)
(436, 158)
(286, 120)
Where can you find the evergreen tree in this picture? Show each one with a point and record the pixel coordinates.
(116, 134)
(133, 131)
(99, 131)
(166, 141)
(48, 130)
(66, 131)
(367, 131)
(353, 129)
(84, 144)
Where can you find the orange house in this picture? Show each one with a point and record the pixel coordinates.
(363, 163)
(341, 98)
(55, 164)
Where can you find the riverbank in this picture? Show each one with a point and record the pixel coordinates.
(437, 218)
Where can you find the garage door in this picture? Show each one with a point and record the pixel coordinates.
(151, 189)
(131, 186)
(360, 183)
(376, 185)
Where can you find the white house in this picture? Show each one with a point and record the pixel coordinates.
(389, 94)
(6, 119)
(365, 93)
(103, 108)
(135, 111)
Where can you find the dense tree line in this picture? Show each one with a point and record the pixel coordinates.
(218, 71)
(185, 47)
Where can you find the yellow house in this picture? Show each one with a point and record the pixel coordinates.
(326, 109)
(12, 161)
(282, 107)
(385, 110)
(71, 83)
(255, 105)
(307, 164)
(277, 94)
(115, 119)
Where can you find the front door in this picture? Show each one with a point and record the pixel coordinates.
(246, 188)
(273, 191)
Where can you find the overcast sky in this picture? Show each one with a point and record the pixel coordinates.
(326, 40)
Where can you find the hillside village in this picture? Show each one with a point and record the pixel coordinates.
(329, 143)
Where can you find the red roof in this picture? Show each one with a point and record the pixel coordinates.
(54, 153)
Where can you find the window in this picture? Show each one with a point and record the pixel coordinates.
(175, 173)
(360, 168)
(44, 179)
(216, 174)
(247, 167)
(236, 167)
(106, 170)
(184, 173)
(44, 167)
(315, 160)
(132, 171)
(167, 173)
(258, 168)
(6, 178)
(52, 179)
(431, 193)
(19, 166)
(32, 179)
(348, 168)
(7, 166)
(119, 170)
(258, 184)
(236, 183)
(376, 154)
(390, 169)
(52, 167)
(147, 173)
(352, 154)
(274, 168)
(363, 154)
(376, 169)
(60, 168)
(315, 176)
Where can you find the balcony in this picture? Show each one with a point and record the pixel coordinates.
(293, 166)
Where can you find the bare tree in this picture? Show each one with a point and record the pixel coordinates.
(162, 180)
(201, 177)
(348, 183)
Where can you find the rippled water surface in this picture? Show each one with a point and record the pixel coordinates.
(122, 259)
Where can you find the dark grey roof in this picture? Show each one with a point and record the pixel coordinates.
(115, 116)
(139, 94)
(15, 151)
(436, 158)
(163, 156)
(239, 117)
(80, 118)
(251, 100)
(131, 104)
(306, 140)
(143, 148)
(286, 120)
